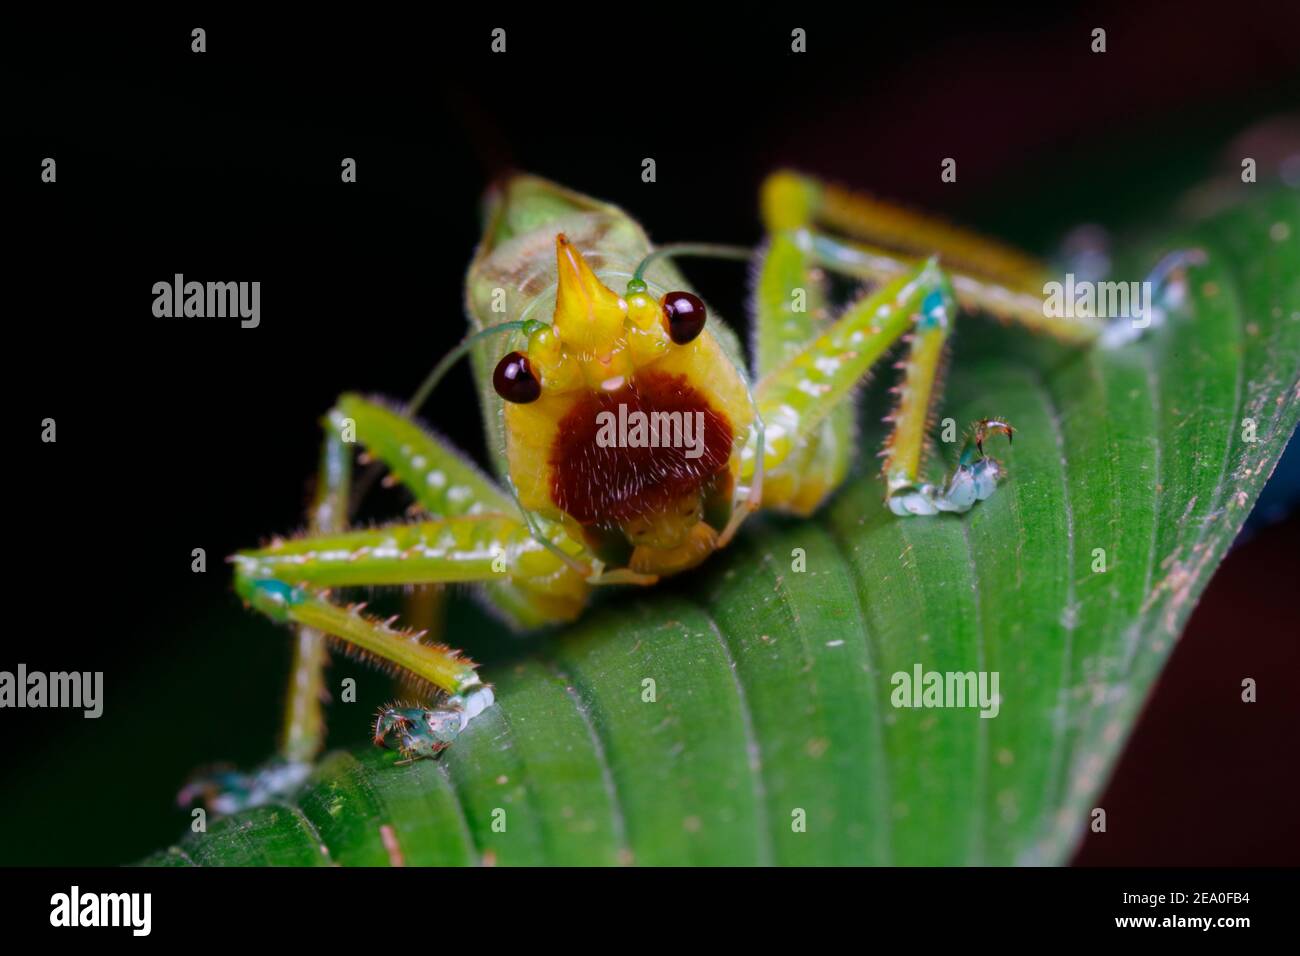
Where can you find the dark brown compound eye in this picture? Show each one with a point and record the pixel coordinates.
(684, 316)
(514, 380)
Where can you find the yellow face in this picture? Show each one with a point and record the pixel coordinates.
(625, 418)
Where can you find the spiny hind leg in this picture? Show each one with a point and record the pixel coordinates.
(858, 235)
(793, 200)
(862, 237)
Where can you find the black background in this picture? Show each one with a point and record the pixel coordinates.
(176, 434)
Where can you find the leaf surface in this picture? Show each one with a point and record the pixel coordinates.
(771, 737)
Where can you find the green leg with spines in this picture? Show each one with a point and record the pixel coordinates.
(444, 483)
(797, 397)
(304, 719)
(477, 539)
(790, 308)
(973, 293)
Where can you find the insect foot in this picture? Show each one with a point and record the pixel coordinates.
(975, 479)
(224, 790)
(415, 731)
(1164, 289)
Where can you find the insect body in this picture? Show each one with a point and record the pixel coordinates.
(630, 439)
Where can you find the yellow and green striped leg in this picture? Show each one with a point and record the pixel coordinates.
(974, 479)
(796, 398)
(445, 484)
(790, 309)
(862, 237)
(475, 536)
(291, 581)
(395, 441)
(792, 199)
(972, 293)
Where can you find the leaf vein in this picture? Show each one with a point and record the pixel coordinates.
(617, 812)
(767, 854)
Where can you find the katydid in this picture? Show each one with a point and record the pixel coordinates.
(577, 323)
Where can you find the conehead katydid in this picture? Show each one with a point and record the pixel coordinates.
(577, 322)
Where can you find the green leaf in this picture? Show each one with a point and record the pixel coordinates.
(772, 686)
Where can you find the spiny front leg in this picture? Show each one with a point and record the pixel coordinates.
(795, 398)
(790, 308)
(444, 483)
(290, 581)
(795, 210)
(907, 445)
(438, 552)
